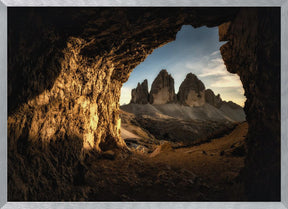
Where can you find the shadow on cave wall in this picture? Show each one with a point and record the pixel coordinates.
(38, 36)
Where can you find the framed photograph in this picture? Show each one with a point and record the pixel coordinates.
(121, 104)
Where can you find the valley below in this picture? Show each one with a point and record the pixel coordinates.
(143, 126)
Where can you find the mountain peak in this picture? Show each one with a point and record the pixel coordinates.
(163, 71)
(192, 92)
(191, 76)
(211, 99)
(140, 94)
(162, 89)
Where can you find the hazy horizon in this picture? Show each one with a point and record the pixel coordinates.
(194, 51)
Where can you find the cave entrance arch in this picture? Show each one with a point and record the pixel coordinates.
(177, 89)
(68, 52)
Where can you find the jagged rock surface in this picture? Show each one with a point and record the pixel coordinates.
(253, 52)
(212, 99)
(191, 88)
(65, 70)
(162, 89)
(191, 91)
(140, 94)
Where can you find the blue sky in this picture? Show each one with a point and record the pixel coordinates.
(195, 51)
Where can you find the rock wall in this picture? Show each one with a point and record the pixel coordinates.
(162, 89)
(191, 91)
(66, 69)
(140, 94)
(253, 52)
(212, 99)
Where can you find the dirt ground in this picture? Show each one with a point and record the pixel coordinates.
(207, 172)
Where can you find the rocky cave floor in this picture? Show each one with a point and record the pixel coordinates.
(206, 172)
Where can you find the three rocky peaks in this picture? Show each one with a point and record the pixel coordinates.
(191, 92)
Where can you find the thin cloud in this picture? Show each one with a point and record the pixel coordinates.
(215, 53)
(217, 60)
(217, 70)
(199, 55)
(194, 67)
(241, 91)
(227, 81)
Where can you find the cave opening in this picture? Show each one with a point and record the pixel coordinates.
(181, 122)
(162, 106)
(65, 72)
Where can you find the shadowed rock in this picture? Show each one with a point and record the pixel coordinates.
(212, 99)
(140, 94)
(66, 67)
(162, 90)
(191, 91)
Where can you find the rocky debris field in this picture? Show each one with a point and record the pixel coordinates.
(208, 171)
(205, 172)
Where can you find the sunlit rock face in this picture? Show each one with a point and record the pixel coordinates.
(191, 91)
(66, 69)
(162, 89)
(67, 66)
(253, 52)
(73, 105)
(140, 94)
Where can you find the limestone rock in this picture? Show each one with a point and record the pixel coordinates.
(67, 75)
(162, 90)
(109, 154)
(191, 91)
(256, 59)
(140, 94)
(212, 99)
(232, 105)
(224, 31)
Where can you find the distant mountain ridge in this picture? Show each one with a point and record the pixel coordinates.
(192, 92)
(193, 114)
